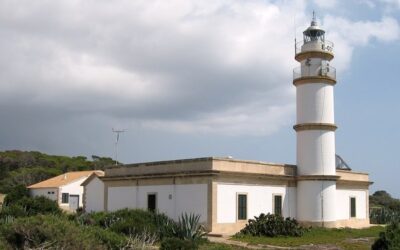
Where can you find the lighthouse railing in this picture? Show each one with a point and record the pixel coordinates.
(303, 46)
(323, 71)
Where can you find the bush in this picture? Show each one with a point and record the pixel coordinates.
(126, 221)
(272, 225)
(4, 245)
(27, 206)
(390, 239)
(165, 226)
(381, 215)
(53, 232)
(144, 226)
(16, 194)
(177, 244)
(130, 222)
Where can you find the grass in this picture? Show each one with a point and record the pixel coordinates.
(219, 246)
(343, 238)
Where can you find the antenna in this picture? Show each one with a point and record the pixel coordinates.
(314, 19)
(117, 132)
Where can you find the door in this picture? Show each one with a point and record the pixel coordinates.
(151, 202)
(73, 201)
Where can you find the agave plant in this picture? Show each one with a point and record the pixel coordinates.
(383, 215)
(189, 228)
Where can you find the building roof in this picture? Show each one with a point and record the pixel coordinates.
(196, 166)
(65, 179)
(95, 174)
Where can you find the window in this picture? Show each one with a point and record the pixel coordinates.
(278, 204)
(64, 197)
(152, 202)
(242, 206)
(352, 207)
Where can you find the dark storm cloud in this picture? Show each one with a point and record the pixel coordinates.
(151, 62)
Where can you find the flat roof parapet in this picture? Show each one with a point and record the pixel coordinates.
(212, 164)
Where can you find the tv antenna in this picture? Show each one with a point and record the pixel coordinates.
(117, 132)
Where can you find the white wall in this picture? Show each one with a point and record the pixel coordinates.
(121, 197)
(44, 192)
(316, 201)
(94, 196)
(315, 103)
(73, 188)
(343, 203)
(316, 152)
(259, 200)
(190, 198)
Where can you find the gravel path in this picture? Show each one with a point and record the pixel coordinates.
(226, 240)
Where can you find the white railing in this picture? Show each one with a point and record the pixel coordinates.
(314, 46)
(323, 71)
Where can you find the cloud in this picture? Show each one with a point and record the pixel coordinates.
(326, 4)
(348, 35)
(216, 67)
(391, 4)
(181, 62)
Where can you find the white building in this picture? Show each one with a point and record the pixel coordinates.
(227, 192)
(66, 189)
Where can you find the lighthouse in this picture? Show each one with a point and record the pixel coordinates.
(315, 128)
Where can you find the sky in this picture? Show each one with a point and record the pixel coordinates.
(189, 78)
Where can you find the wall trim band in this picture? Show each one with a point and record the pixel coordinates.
(314, 79)
(318, 54)
(315, 126)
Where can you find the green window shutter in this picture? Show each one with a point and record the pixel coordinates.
(242, 207)
(278, 204)
(352, 207)
(64, 197)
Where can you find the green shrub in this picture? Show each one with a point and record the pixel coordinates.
(39, 205)
(272, 225)
(17, 193)
(382, 215)
(165, 226)
(54, 232)
(130, 222)
(4, 245)
(177, 244)
(108, 238)
(144, 226)
(390, 239)
(27, 206)
(12, 211)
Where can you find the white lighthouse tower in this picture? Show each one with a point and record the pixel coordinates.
(315, 128)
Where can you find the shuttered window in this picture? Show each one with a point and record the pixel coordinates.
(278, 204)
(352, 207)
(64, 197)
(242, 206)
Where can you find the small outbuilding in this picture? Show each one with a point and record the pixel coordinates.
(66, 188)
